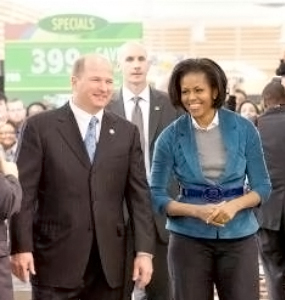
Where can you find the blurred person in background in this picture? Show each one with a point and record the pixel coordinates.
(210, 150)
(35, 108)
(241, 96)
(249, 110)
(16, 113)
(8, 140)
(271, 215)
(10, 201)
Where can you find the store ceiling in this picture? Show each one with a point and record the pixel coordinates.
(248, 12)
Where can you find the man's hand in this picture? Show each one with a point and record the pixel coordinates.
(22, 265)
(142, 270)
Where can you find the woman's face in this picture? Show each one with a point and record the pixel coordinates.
(7, 136)
(248, 111)
(197, 96)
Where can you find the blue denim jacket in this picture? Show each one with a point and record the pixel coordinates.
(176, 153)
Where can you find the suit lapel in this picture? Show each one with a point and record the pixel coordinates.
(108, 132)
(155, 110)
(69, 131)
(187, 142)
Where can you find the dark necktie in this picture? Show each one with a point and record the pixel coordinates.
(137, 119)
(90, 138)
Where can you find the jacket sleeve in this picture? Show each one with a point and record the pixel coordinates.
(29, 162)
(256, 168)
(10, 197)
(137, 196)
(162, 170)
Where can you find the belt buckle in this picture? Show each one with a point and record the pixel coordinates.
(213, 194)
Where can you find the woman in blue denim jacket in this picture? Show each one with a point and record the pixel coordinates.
(210, 151)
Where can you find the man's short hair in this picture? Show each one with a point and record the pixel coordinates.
(78, 67)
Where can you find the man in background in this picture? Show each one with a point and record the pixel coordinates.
(271, 215)
(151, 111)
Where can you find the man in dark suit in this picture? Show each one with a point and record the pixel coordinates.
(10, 202)
(156, 113)
(77, 165)
(271, 236)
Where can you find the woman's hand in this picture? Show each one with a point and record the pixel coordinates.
(207, 211)
(223, 213)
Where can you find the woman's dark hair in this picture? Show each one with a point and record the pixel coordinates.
(35, 104)
(250, 102)
(213, 72)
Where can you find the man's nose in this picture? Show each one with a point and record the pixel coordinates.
(103, 86)
(137, 64)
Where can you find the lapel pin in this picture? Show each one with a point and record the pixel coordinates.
(112, 131)
(156, 108)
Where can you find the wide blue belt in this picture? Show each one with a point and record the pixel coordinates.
(212, 193)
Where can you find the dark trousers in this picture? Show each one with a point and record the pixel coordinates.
(272, 252)
(94, 285)
(195, 265)
(158, 289)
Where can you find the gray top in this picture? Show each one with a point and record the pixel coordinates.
(212, 153)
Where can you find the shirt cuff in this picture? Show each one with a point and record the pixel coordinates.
(145, 254)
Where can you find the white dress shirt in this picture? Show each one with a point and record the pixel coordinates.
(83, 118)
(144, 104)
(213, 124)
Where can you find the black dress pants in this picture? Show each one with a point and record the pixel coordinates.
(94, 285)
(196, 265)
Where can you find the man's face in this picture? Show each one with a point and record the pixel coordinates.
(134, 64)
(16, 112)
(93, 88)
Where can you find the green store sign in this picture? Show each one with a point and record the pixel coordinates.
(72, 24)
(39, 57)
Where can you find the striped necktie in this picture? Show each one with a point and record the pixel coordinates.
(90, 138)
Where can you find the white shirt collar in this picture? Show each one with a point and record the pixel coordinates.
(83, 115)
(128, 95)
(213, 124)
(83, 118)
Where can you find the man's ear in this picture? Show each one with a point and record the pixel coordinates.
(73, 80)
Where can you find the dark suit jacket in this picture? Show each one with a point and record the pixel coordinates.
(67, 201)
(161, 114)
(271, 126)
(10, 202)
